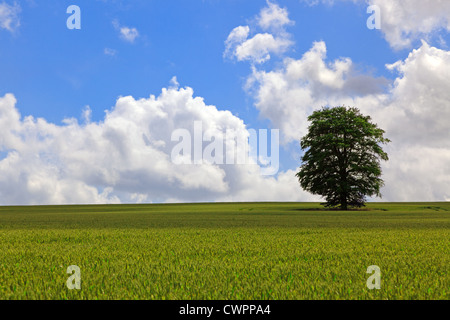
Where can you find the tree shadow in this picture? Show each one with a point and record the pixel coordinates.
(331, 209)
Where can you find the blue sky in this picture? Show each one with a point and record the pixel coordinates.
(54, 73)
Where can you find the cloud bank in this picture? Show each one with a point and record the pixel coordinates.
(413, 109)
(126, 157)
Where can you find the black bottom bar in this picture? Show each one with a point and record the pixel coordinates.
(233, 309)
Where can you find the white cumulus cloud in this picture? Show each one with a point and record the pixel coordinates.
(414, 111)
(127, 156)
(288, 95)
(403, 22)
(258, 48)
(273, 17)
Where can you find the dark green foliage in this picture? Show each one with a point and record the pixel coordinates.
(342, 157)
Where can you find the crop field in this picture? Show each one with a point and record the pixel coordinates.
(288, 251)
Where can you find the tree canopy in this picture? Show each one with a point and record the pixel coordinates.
(342, 157)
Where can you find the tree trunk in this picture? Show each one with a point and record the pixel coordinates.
(343, 195)
(344, 205)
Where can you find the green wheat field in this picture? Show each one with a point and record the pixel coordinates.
(281, 251)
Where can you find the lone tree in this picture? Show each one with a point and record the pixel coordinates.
(342, 157)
